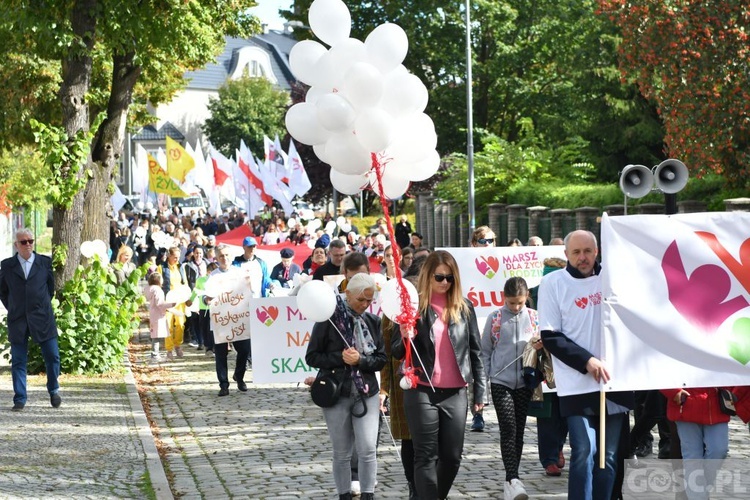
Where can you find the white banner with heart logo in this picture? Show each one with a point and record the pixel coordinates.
(676, 310)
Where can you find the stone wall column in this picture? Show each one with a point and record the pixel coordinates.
(536, 213)
(583, 215)
(615, 209)
(690, 207)
(737, 204)
(514, 213)
(557, 216)
(495, 213)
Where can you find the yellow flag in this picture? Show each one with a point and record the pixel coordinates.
(160, 182)
(179, 162)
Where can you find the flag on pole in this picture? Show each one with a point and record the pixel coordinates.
(247, 166)
(179, 162)
(159, 181)
(299, 183)
(246, 194)
(274, 187)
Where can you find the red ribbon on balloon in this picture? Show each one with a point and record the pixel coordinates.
(407, 320)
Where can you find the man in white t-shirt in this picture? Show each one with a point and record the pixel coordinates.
(570, 322)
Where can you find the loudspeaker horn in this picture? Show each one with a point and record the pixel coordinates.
(670, 176)
(636, 181)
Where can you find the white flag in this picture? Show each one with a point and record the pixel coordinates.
(299, 183)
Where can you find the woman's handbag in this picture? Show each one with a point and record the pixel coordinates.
(326, 389)
(726, 402)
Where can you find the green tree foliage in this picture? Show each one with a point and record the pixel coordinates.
(95, 317)
(501, 164)
(77, 66)
(25, 178)
(691, 58)
(247, 108)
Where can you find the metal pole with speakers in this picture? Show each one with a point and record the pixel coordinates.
(668, 177)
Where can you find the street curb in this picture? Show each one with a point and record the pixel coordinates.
(153, 461)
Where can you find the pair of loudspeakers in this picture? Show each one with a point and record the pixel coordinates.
(669, 176)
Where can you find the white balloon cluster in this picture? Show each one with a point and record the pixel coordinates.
(362, 100)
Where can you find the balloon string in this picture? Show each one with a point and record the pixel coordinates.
(408, 317)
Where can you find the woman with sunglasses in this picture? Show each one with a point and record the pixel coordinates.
(350, 345)
(483, 236)
(446, 340)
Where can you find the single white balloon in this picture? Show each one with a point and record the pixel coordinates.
(387, 46)
(374, 129)
(330, 20)
(303, 59)
(348, 184)
(390, 298)
(403, 94)
(334, 112)
(345, 154)
(316, 300)
(393, 186)
(363, 85)
(302, 123)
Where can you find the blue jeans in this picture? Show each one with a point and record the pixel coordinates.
(587, 480)
(19, 355)
(703, 449)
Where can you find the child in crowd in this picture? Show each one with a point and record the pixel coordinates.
(704, 435)
(157, 317)
(506, 333)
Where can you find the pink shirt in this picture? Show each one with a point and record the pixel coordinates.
(445, 373)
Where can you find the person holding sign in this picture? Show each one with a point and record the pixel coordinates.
(221, 349)
(350, 345)
(448, 344)
(570, 324)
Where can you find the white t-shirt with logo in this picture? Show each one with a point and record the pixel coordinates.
(572, 306)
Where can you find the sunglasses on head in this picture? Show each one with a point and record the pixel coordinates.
(440, 277)
(484, 241)
(25, 242)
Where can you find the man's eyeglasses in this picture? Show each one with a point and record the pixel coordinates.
(440, 277)
(25, 242)
(485, 241)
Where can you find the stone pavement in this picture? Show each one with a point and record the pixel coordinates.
(270, 442)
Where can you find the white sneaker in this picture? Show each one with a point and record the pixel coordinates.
(514, 490)
(355, 489)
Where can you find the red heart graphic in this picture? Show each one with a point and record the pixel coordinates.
(493, 262)
(741, 269)
(582, 302)
(272, 311)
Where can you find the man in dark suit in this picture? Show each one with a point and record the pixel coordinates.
(26, 290)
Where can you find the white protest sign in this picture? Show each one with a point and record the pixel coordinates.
(230, 308)
(485, 270)
(280, 338)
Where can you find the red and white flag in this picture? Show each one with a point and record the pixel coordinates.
(299, 183)
(247, 166)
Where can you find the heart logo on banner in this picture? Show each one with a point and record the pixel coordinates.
(582, 302)
(488, 266)
(739, 345)
(267, 315)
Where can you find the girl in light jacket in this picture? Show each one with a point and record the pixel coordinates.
(506, 333)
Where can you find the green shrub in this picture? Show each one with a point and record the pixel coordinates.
(95, 316)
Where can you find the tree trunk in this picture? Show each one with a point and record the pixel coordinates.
(76, 76)
(107, 149)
